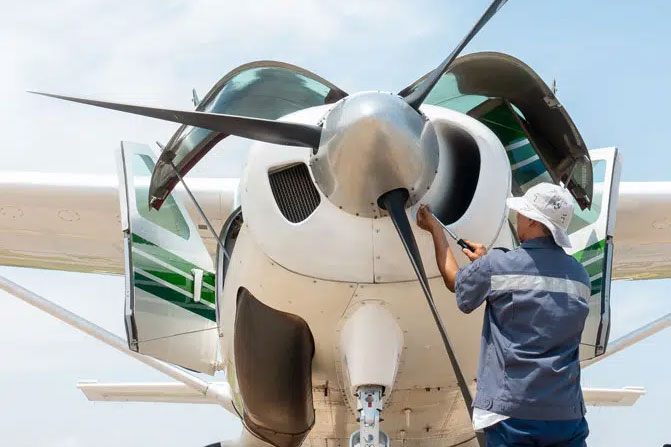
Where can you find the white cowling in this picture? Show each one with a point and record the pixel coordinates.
(332, 244)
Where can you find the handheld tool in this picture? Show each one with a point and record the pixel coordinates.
(459, 240)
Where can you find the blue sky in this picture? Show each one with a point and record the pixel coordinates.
(609, 59)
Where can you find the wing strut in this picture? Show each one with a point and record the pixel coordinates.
(219, 391)
(631, 338)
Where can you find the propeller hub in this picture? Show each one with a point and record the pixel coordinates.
(372, 143)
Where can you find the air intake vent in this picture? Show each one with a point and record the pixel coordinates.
(294, 192)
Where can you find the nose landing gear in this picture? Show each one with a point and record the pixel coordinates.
(369, 406)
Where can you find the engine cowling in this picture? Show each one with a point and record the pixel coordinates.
(468, 191)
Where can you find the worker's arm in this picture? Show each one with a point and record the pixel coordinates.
(447, 264)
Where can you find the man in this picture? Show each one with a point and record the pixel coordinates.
(528, 387)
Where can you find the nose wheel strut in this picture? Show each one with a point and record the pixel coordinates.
(369, 406)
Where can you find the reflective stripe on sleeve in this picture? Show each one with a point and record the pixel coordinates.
(544, 283)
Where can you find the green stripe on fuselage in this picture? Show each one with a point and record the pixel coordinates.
(529, 172)
(591, 251)
(504, 125)
(521, 153)
(150, 286)
(143, 263)
(593, 268)
(170, 258)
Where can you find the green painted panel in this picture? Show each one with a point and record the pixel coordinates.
(165, 256)
(594, 268)
(588, 253)
(208, 278)
(182, 281)
(150, 286)
(167, 275)
(521, 153)
(529, 172)
(504, 125)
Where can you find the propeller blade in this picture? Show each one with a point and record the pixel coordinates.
(269, 131)
(394, 202)
(416, 97)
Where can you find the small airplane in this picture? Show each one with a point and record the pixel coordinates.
(303, 280)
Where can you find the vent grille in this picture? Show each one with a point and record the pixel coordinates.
(294, 192)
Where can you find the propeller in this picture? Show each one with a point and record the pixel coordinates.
(416, 97)
(394, 202)
(269, 131)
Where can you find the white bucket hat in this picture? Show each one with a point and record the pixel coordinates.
(550, 205)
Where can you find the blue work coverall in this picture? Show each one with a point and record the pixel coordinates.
(529, 368)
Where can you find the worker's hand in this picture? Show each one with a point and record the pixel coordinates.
(425, 220)
(476, 250)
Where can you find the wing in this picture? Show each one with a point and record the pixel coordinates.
(72, 221)
(608, 397)
(220, 392)
(174, 392)
(168, 392)
(60, 221)
(643, 231)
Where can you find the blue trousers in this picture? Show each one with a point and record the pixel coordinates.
(527, 433)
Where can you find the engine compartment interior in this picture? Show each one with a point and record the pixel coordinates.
(463, 164)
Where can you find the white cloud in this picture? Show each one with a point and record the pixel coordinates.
(154, 52)
(70, 441)
(636, 303)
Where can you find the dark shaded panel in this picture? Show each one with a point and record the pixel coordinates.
(464, 164)
(294, 192)
(229, 235)
(273, 360)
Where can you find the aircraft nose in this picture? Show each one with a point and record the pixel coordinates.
(372, 143)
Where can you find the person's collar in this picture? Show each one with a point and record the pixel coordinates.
(539, 242)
